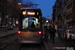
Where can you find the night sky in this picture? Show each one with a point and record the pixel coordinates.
(45, 6)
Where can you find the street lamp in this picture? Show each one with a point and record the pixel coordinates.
(46, 21)
(19, 3)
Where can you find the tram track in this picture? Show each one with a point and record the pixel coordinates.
(7, 44)
(30, 47)
(11, 43)
(15, 45)
(6, 40)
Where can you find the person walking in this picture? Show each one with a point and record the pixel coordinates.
(46, 33)
(53, 31)
(50, 33)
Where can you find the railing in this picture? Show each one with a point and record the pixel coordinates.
(68, 10)
(69, 20)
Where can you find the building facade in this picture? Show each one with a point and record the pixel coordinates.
(70, 14)
(64, 14)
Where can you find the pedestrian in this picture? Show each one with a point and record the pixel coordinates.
(50, 33)
(53, 31)
(32, 25)
(46, 33)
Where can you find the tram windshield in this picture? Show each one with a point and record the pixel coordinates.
(30, 23)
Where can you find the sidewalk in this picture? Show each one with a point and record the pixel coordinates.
(8, 32)
(56, 46)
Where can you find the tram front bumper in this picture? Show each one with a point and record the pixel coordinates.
(30, 40)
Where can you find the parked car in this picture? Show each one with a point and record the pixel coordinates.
(70, 34)
(10, 27)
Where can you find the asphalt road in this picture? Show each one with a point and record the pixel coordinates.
(16, 46)
(7, 40)
(11, 43)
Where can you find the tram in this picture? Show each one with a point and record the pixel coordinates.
(30, 25)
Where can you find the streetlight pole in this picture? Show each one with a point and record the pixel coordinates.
(6, 16)
(2, 16)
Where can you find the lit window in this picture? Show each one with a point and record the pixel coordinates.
(31, 13)
(37, 13)
(24, 12)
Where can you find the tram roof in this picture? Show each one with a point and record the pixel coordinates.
(29, 8)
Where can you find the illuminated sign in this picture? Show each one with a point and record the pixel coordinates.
(37, 13)
(24, 12)
(31, 13)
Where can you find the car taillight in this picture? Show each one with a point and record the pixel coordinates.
(40, 32)
(19, 32)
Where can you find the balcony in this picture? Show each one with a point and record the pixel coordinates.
(68, 10)
(69, 2)
(69, 20)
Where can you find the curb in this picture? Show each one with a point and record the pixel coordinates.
(8, 35)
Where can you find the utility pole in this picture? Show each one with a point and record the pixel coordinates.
(1, 13)
(6, 16)
(2, 16)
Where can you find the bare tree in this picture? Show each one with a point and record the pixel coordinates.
(27, 3)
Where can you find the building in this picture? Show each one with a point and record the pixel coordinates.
(46, 22)
(70, 14)
(54, 14)
(59, 14)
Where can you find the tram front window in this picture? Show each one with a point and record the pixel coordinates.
(30, 23)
